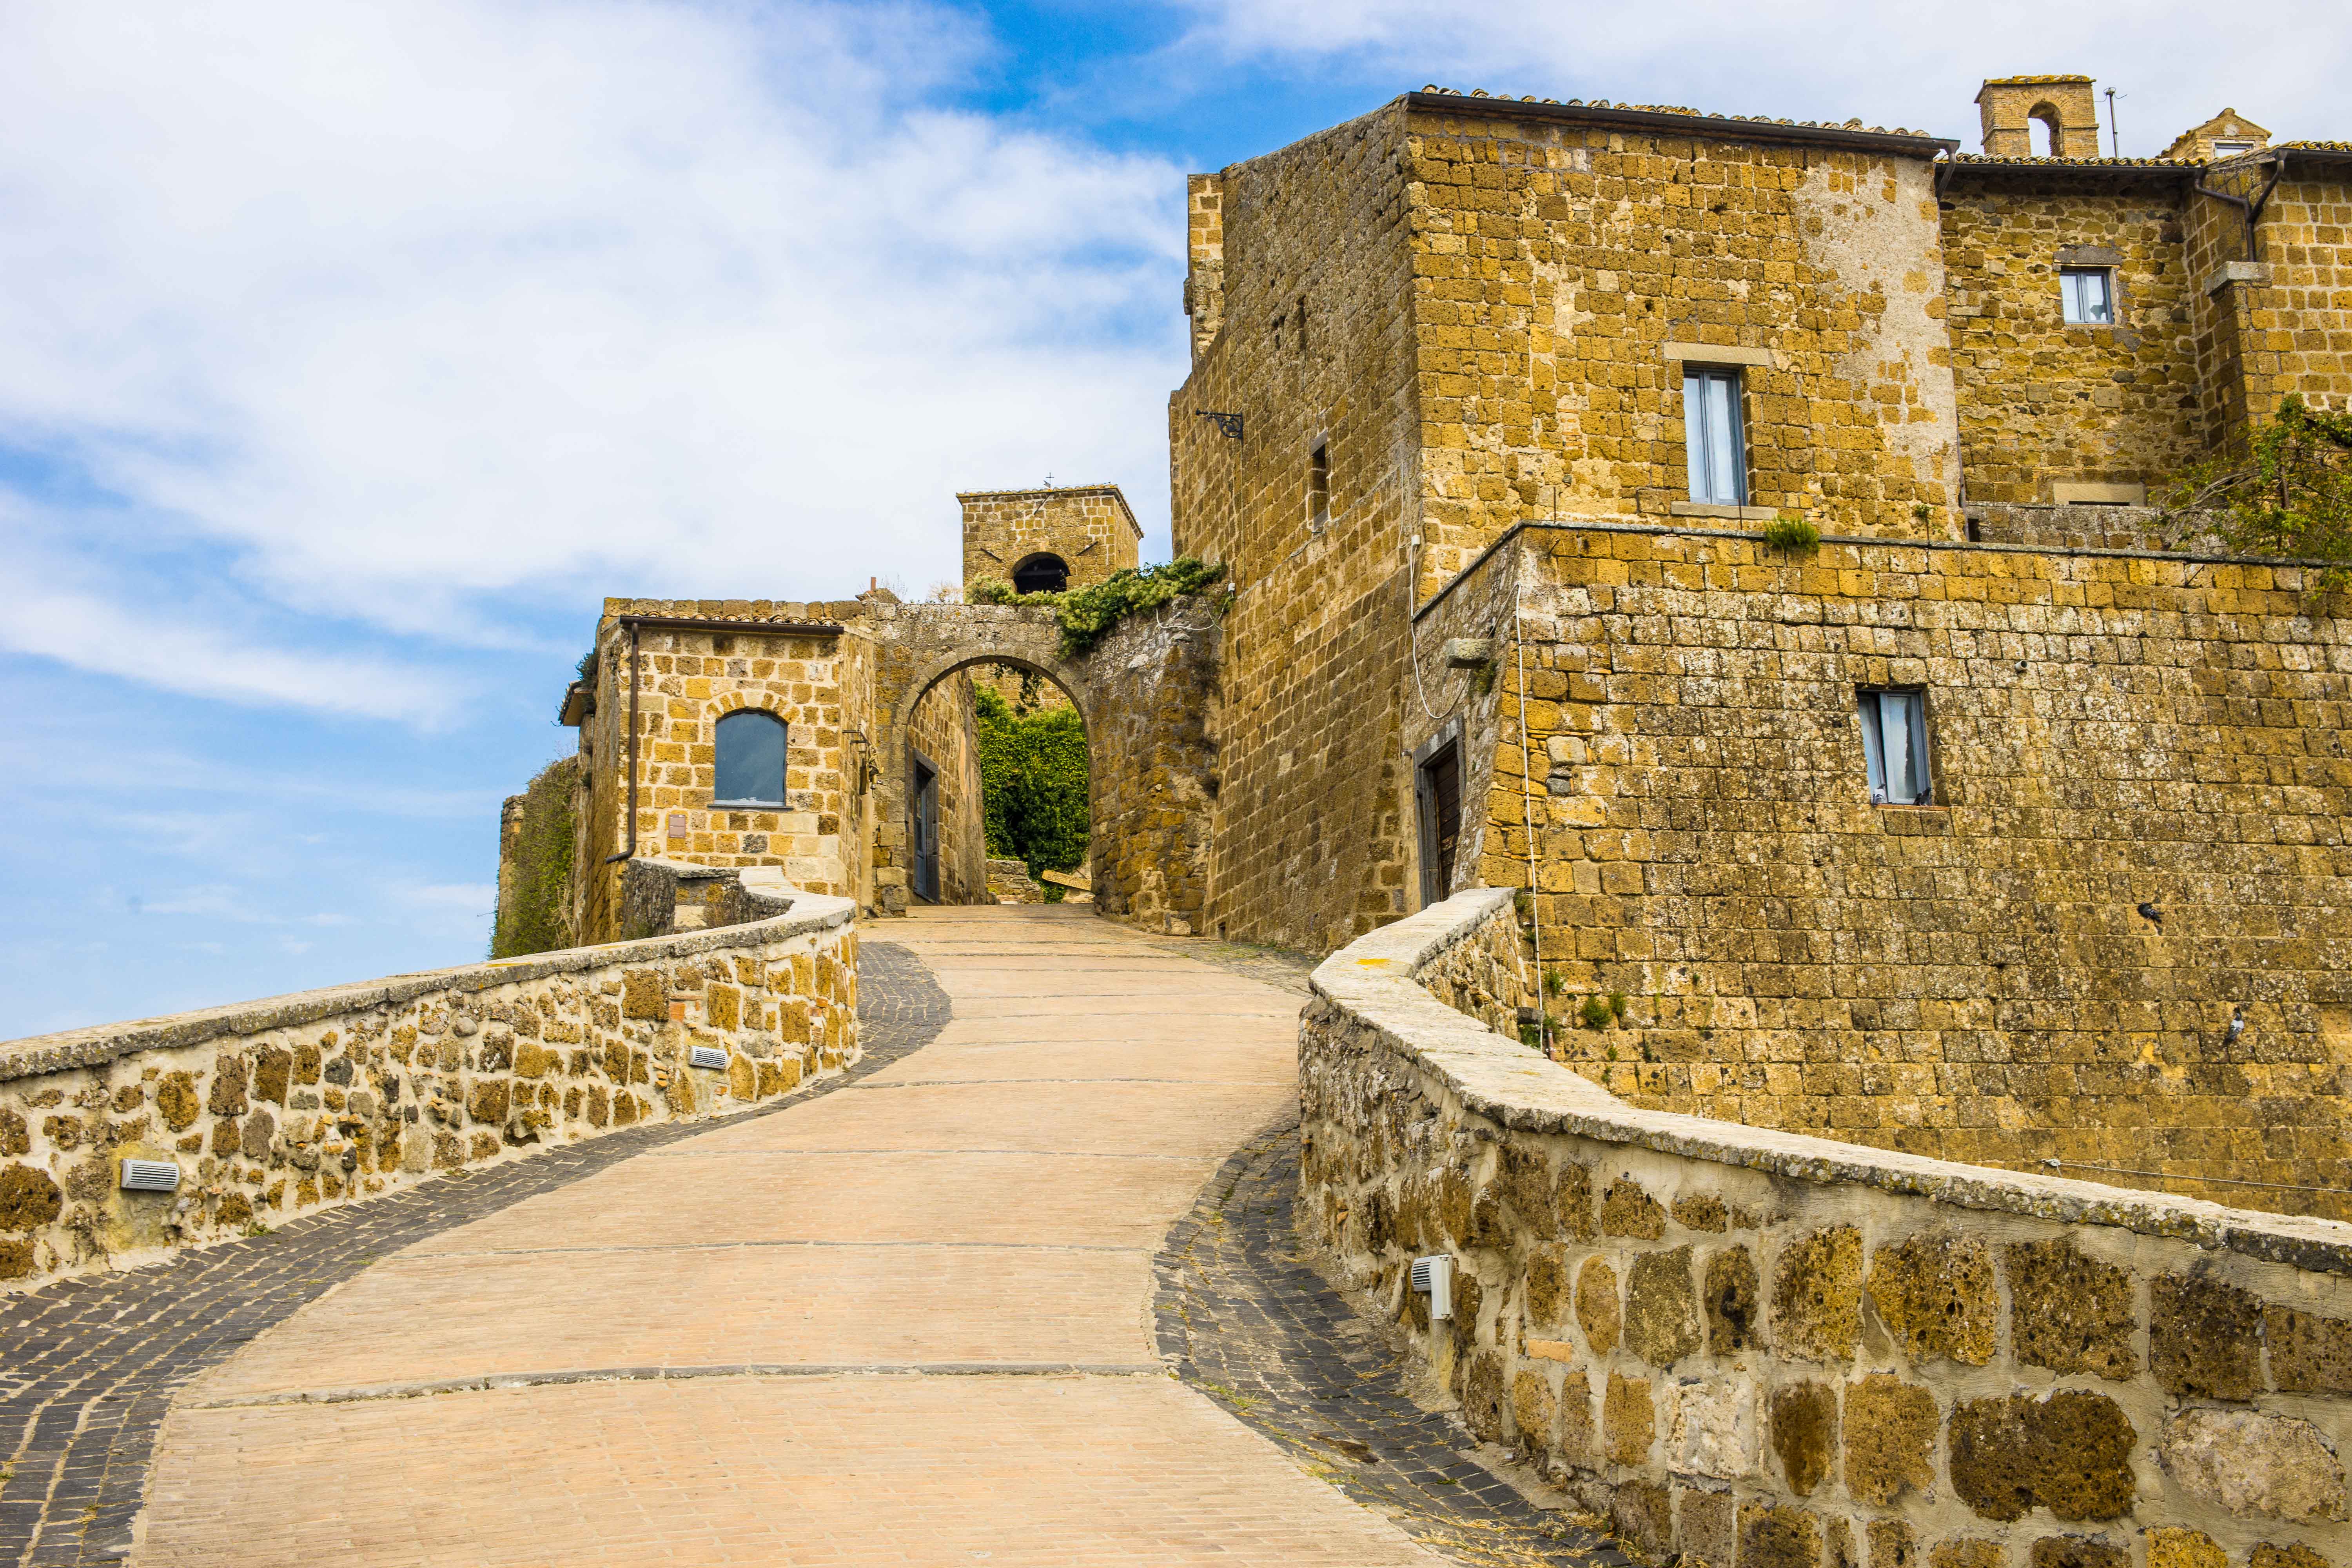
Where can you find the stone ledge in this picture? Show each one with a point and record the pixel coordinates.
(799, 914)
(1373, 979)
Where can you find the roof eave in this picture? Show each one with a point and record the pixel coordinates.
(1715, 127)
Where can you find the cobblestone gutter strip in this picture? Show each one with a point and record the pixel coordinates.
(1242, 1317)
(1373, 981)
(92, 1362)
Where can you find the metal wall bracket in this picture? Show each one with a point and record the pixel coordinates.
(1231, 424)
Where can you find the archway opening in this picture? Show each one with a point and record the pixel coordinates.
(998, 788)
(2041, 129)
(1043, 572)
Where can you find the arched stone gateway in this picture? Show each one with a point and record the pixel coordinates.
(917, 646)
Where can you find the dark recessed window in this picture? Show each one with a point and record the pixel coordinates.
(1716, 449)
(1318, 486)
(1043, 572)
(751, 758)
(1895, 744)
(2086, 296)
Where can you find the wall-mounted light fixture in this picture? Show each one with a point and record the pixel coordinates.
(1435, 1277)
(150, 1176)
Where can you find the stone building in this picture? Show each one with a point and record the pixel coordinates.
(1854, 839)
(1986, 828)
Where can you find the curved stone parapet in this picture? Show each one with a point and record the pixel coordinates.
(264, 1109)
(1765, 1350)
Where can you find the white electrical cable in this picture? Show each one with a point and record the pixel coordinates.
(1527, 791)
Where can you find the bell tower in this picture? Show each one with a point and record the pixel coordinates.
(1047, 540)
(2064, 105)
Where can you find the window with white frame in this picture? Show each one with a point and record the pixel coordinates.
(1716, 447)
(1895, 744)
(2087, 295)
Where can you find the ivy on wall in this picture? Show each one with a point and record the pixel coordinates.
(1088, 615)
(1033, 777)
(534, 906)
(2290, 493)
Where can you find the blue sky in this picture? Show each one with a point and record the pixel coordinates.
(350, 353)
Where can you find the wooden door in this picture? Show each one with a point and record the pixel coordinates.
(926, 829)
(1438, 790)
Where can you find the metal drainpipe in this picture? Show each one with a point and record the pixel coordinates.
(634, 683)
(2251, 207)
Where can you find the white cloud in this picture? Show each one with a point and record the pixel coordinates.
(412, 309)
(2175, 62)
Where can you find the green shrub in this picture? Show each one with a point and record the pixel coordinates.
(533, 910)
(2290, 494)
(1033, 777)
(1596, 1013)
(1791, 533)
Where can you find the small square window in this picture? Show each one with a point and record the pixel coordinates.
(2088, 295)
(1318, 488)
(1716, 451)
(2232, 149)
(1895, 744)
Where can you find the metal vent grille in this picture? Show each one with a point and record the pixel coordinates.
(1434, 1275)
(706, 1056)
(150, 1176)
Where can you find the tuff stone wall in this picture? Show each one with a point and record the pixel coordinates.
(1314, 275)
(1973, 979)
(1088, 526)
(1152, 757)
(2042, 403)
(1764, 1350)
(272, 1108)
(1546, 305)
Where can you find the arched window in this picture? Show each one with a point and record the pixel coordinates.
(2042, 131)
(750, 756)
(1043, 572)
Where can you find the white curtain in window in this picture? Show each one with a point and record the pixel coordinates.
(1716, 457)
(1894, 746)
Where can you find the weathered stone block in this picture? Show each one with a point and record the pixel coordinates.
(1661, 1308)
(28, 1198)
(643, 994)
(1596, 1305)
(2205, 1337)
(1733, 1307)
(2268, 1554)
(1706, 1526)
(2173, 1548)
(1626, 1210)
(1817, 1295)
(1892, 1544)
(1890, 1438)
(1641, 1512)
(1702, 1211)
(2070, 1313)
(1576, 1434)
(1482, 1394)
(1804, 1433)
(2309, 1355)
(1968, 1553)
(487, 1101)
(1628, 1423)
(227, 1097)
(1547, 1286)
(273, 1070)
(1775, 1537)
(1532, 1410)
(2254, 1465)
(1712, 1429)
(1936, 1293)
(2070, 1452)
(2078, 1552)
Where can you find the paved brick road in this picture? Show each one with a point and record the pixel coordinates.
(912, 1321)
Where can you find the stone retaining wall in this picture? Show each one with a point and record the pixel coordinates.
(1770, 1351)
(272, 1108)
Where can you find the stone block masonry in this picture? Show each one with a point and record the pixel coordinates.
(270, 1109)
(1765, 1351)
(1971, 978)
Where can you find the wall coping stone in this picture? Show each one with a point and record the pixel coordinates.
(1373, 979)
(1669, 531)
(801, 912)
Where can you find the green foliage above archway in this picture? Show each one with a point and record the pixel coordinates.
(1033, 776)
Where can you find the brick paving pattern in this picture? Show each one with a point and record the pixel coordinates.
(1245, 1318)
(92, 1363)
